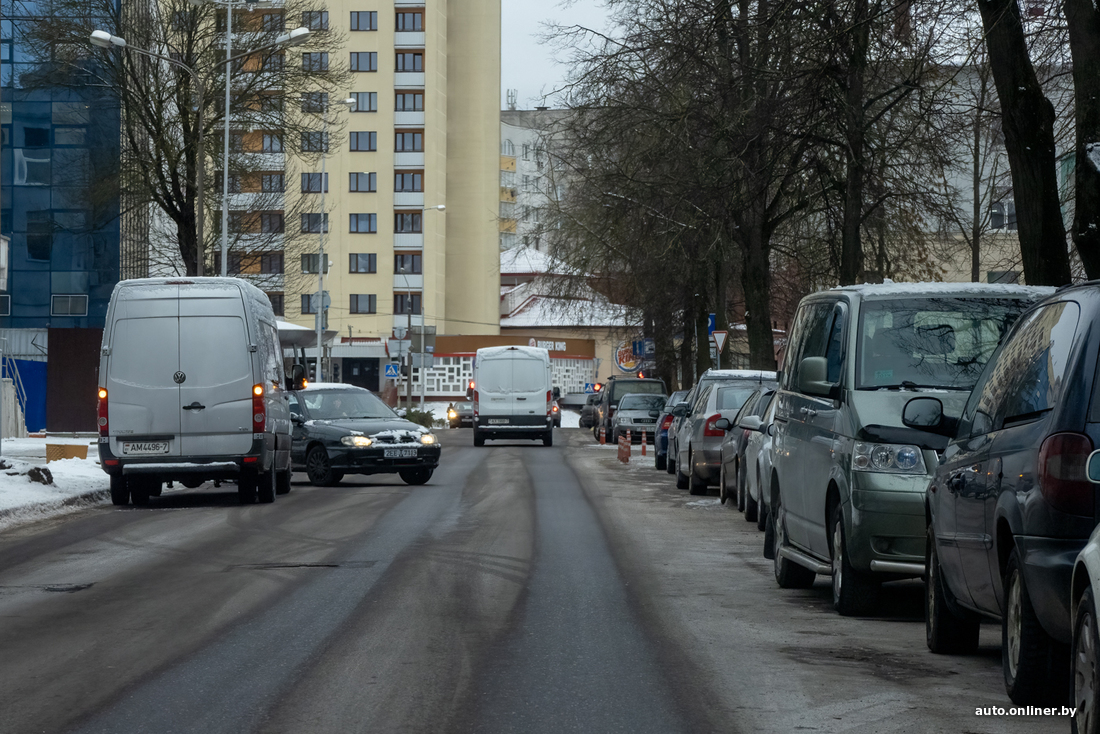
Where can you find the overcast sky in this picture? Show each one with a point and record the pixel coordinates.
(526, 65)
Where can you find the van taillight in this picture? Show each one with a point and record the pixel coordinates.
(710, 430)
(667, 422)
(101, 411)
(1063, 479)
(259, 412)
(549, 402)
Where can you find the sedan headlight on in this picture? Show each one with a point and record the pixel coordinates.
(427, 439)
(360, 441)
(888, 458)
(452, 414)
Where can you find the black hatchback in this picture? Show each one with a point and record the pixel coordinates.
(1010, 505)
(341, 429)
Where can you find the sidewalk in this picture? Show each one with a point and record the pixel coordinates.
(76, 483)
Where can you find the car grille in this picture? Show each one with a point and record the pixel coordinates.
(397, 437)
(645, 420)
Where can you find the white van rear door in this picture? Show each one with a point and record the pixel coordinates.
(529, 387)
(214, 356)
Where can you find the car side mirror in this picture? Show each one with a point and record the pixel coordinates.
(813, 375)
(770, 429)
(1093, 467)
(469, 393)
(556, 393)
(926, 414)
(680, 410)
(297, 378)
(723, 424)
(751, 422)
(295, 418)
(654, 413)
(401, 412)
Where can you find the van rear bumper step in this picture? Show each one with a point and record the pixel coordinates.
(224, 467)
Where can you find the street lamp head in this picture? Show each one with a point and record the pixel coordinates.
(103, 39)
(437, 207)
(296, 37)
(350, 103)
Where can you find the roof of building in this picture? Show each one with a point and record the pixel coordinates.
(549, 311)
(528, 261)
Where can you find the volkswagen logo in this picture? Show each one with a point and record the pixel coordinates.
(179, 377)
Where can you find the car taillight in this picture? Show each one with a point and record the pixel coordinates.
(101, 411)
(1063, 479)
(549, 402)
(710, 430)
(259, 411)
(667, 422)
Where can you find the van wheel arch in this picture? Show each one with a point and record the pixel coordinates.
(832, 499)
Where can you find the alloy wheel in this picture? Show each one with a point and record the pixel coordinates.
(1084, 673)
(1014, 624)
(838, 560)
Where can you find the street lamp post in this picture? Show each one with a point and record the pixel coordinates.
(408, 312)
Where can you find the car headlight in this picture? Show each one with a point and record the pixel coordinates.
(888, 458)
(359, 441)
(427, 439)
(452, 414)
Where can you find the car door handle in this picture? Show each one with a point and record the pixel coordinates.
(194, 406)
(808, 412)
(521, 398)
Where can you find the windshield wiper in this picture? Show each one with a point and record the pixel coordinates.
(910, 385)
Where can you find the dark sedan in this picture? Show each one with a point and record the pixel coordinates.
(461, 415)
(342, 429)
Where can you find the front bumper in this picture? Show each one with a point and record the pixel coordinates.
(372, 459)
(1048, 571)
(887, 527)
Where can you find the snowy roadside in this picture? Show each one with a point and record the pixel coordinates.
(73, 483)
(569, 418)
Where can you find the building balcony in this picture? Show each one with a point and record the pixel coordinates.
(507, 225)
(408, 198)
(408, 160)
(408, 240)
(408, 282)
(408, 80)
(408, 119)
(508, 194)
(254, 201)
(408, 39)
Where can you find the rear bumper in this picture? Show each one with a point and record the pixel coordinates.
(518, 426)
(1048, 571)
(260, 458)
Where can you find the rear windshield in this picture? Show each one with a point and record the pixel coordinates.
(593, 399)
(930, 342)
(326, 405)
(732, 398)
(619, 389)
(505, 376)
(642, 402)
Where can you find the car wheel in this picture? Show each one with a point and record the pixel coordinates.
(769, 538)
(318, 468)
(944, 631)
(246, 488)
(415, 476)
(266, 485)
(788, 574)
(696, 486)
(723, 495)
(1086, 660)
(740, 488)
(548, 438)
(854, 592)
(1033, 662)
(660, 461)
(751, 505)
(614, 436)
(140, 491)
(670, 460)
(120, 490)
(762, 517)
(681, 478)
(282, 482)
(479, 440)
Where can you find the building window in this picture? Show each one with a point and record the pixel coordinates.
(234, 182)
(507, 147)
(271, 22)
(309, 263)
(1002, 215)
(363, 223)
(409, 263)
(410, 102)
(307, 302)
(70, 305)
(271, 263)
(39, 235)
(272, 223)
(315, 61)
(364, 20)
(271, 103)
(312, 222)
(314, 101)
(406, 303)
(5, 305)
(273, 183)
(362, 262)
(316, 20)
(276, 303)
(314, 142)
(274, 62)
(364, 141)
(1002, 276)
(363, 303)
(314, 183)
(408, 222)
(364, 61)
(363, 182)
(409, 142)
(272, 143)
(408, 181)
(366, 101)
(410, 21)
(410, 61)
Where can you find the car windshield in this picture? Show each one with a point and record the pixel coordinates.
(464, 406)
(642, 402)
(732, 398)
(593, 399)
(619, 388)
(337, 404)
(930, 342)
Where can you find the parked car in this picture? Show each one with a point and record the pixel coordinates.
(1085, 651)
(191, 388)
(699, 440)
(733, 455)
(637, 413)
(849, 478)
(664, 423)
(588, 412)
(758, 465)
(614, 390)
(461, 415)
(573, 401)
(342, 429)
(555, 413)
(1011, 504)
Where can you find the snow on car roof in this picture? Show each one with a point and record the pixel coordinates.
(495, 352)
(891, 289)
(742, 374)
(318, 386)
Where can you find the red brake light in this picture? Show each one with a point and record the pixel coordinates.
(1063, 478)
(259, 410)
(101, 411)
(667, 422)
(710, 430)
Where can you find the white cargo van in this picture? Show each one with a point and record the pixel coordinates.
(513, 394)
(192, 389)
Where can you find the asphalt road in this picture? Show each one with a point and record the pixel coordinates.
(523, 589)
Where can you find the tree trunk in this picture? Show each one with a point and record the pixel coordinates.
(976, 212)
(1028, 124)
(756, 282)
(1084, 43)
(702, 346)
(687, 376)
(851, 246)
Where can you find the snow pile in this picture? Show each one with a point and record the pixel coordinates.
(72, 483)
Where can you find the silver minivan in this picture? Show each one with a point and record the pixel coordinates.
(848, 477)
(192, 389)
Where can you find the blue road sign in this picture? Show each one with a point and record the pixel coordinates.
(590, 387)
(392, 370)
(711, 326)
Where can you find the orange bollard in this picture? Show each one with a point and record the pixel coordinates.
(643, 442)
(603, 436)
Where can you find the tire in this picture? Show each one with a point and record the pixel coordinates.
(246, 488)
(762, 517)
(769, 538)
(479, 440)
(788, 574)
(945, 632)
(1033, 663)
(723, 494)
(681, 478)
(739, 488)
(548, 438)
(696, 486)
(415, 476)
(660, 461)
(282, 482)
(319, 469)
(266, 486)
(670, 461)
(139, 492)
(1086, 667)
(854, 591)
(752, 507)
(120, 490)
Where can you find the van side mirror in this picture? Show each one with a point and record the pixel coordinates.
(927, 414)
(557, 393)
(469, 393)
(297, 379)
(1093, 467)
(813, 375)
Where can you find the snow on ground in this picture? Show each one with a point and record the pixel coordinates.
(76, 483)
(569, 419)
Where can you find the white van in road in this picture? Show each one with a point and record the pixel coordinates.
(192, 389)
(513, 394)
